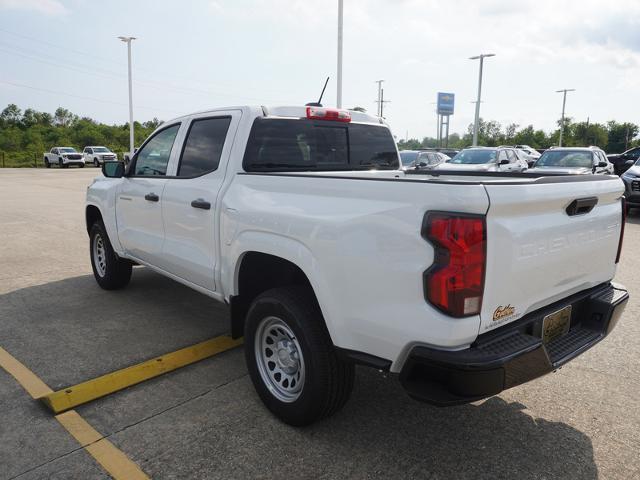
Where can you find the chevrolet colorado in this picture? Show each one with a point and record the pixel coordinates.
(329, 255)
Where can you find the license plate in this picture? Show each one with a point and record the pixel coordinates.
(556, 324)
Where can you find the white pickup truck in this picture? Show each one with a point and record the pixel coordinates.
(329, 255)
(97, 155)
(63, 157)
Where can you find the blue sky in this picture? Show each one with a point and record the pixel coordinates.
(196, 54)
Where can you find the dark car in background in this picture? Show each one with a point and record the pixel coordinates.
(623, 161)
(631, 179)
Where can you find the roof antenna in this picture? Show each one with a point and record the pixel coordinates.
(318, 103)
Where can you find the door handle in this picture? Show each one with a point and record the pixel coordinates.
(581, 206)
(200, 203)
(152, 197)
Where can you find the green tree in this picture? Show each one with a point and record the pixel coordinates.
(11, 115)
(63, 117)
(620, 136)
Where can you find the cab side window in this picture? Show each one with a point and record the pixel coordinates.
(502, 155)
(153, 157)
(511, 155)
(203, 146)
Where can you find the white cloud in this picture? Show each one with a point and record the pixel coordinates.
(47, 7)
(215, 6)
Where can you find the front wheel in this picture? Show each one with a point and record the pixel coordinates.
(96, 163)
(291, 359)
(110, 271)
(46, 163)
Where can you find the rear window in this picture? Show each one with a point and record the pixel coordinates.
(565, 158)
(408, 158)
(474, 157)
(304, 145)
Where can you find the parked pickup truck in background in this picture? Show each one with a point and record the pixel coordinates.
(98, 155)
(329, 255)
(63, 157)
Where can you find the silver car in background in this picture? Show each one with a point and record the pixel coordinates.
(574, 161)
(486, 159)
(420, 159)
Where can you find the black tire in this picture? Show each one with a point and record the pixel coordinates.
(81, 165)
(60, 163)
(46, 163)
(117, 272)
(328, 379)
(96, 163)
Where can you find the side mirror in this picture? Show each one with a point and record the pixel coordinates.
(422, 164)
(602, 164)
(113, 169)
(503, 162)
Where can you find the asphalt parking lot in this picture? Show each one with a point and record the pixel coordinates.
(205, 421)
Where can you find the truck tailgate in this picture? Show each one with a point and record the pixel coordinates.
(538, 252)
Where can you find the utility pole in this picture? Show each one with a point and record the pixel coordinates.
(564, 102)
(480, 57)
(128, 40)
(382, 102)
(379, 101)
(339, 76)
(626, 140)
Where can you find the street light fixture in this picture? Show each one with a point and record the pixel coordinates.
(127, 40)
(564, 101)
(477, 116)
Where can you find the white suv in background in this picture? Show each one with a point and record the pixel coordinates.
(97, 155)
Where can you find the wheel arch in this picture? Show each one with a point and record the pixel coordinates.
(257, 271)
(92, 215)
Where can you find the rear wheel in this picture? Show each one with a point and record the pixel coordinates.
(291, 360)
(110, 271)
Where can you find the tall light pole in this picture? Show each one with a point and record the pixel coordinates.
(564, 102)
(379, 101)
(339, 76)
(127, 40)
(482, 56)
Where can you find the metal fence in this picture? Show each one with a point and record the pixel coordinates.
(21, 159)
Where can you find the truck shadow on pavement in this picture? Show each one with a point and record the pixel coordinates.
(70, 330)
(492, 439)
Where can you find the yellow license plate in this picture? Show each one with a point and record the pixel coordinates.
(556, 324)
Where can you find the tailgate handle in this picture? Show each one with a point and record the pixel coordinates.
(581, 206)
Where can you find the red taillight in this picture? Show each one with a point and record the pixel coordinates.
(333, 114)
(624, 220)
(455, 281)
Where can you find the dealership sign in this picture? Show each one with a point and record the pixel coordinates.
(445, 103)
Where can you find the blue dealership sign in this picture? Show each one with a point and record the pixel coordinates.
(445, 103)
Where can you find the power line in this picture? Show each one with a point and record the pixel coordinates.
(101, 100)
(89, 70)
(79, 52)
(121, 64)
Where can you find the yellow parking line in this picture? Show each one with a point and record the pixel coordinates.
(71, 397)
(114, 461)
(25, 377)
